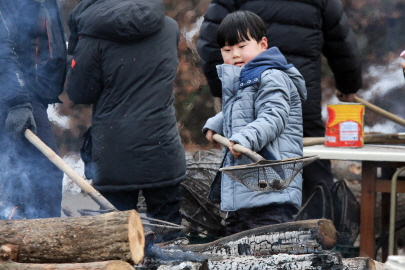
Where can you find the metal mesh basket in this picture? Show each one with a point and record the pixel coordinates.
(268, 175)
(201, 217)
(346, 213)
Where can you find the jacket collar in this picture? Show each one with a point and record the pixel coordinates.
(252, 71)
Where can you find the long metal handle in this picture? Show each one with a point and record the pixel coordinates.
(239, 148)
(58, 161)
(380, 111)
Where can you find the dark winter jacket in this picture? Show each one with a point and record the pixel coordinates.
(32, 52)
(302, 30)
(124, 63)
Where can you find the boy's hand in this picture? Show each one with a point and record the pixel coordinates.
(209, 135)
(234, 153)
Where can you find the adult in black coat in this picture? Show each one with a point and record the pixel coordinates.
(124, 63)
(32, 74)
(303, 30)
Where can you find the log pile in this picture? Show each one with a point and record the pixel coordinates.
(116, 241)
(297, 245)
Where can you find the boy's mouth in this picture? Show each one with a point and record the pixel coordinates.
(239, 64)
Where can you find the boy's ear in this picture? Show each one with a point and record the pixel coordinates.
(263, 43)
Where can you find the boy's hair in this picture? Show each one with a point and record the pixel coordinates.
(240, 26)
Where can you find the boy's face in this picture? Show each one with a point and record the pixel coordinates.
(241, 53)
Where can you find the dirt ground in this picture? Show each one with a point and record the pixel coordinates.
(73, 202)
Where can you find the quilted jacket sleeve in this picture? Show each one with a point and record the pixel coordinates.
(272, 106)
(84, 84)
(215, 123)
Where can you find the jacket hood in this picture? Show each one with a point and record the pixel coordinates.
(119, 20)
(271, 58)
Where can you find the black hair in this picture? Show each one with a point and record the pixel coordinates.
(240, 26)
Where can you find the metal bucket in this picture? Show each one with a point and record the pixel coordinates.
(344, 126)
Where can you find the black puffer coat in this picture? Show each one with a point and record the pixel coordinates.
(302, 30)
(124, 63)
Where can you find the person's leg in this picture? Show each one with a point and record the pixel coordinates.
(11, 182)
(122, 200)
(164, 204)
(268, 215)
(234, 223)
(42, 180)
(319, 170)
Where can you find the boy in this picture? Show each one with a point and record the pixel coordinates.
(262, 99)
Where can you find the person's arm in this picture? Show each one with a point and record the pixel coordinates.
(14, 95)
(84, 83)
(340, 48)
(13, 90)
(273, 107)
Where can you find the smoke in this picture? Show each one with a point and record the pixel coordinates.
(190, 34)
(384, 86)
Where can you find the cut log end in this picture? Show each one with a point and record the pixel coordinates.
(136, 237)
(327, 234)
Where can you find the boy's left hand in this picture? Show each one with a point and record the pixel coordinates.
(234, 153)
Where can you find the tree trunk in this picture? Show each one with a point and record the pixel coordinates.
(112, 236)
(106, 265)
(298, 237)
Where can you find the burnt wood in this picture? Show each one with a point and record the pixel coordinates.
(298, 237)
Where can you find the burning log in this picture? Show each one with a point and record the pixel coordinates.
(361, 263)
(280, 261)
(111, 236)
(106, 265)
(298, 237)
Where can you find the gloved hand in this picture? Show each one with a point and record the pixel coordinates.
(20, 118)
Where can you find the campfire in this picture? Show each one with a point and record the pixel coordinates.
(128, 240)
(117, 241)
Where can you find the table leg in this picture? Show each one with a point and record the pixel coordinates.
(367, 209)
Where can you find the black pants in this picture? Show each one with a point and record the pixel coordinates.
(29, 183)
(162, 203)
(246, 219)
(319, 170)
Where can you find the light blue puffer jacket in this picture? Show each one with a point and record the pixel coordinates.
(261, 110)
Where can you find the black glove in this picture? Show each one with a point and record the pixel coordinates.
(20, 118)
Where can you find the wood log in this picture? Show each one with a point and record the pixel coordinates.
(281, 261)
(361, 263)
(106, 265)
(391, 138)
(112, 236)
(298, 237)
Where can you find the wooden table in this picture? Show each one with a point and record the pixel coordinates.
(372, 157)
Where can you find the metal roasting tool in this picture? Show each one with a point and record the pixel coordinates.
(263, 175)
